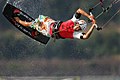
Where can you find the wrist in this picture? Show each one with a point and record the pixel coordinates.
(89, 17)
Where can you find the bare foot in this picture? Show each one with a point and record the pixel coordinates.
(17, 19)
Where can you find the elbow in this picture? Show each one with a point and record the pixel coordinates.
(85, 37)
(79, 10)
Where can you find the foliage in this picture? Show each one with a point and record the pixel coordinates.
(18, 46)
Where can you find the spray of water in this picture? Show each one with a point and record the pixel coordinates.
(32, 7)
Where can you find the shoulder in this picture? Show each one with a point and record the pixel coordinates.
(76, 17)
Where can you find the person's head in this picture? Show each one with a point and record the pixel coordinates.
(80, 25)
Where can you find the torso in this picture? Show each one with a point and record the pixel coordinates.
(66, 29)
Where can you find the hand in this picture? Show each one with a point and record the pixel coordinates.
(93, 21)
(91, 17)
(96, 26)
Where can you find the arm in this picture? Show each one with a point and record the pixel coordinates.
(82, 12)
(89, 32)
(24, 23)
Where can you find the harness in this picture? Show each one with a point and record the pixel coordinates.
(55, 30)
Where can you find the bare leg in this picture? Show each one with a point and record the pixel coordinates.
(24, 23)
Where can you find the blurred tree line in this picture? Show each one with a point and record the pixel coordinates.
(16, 45)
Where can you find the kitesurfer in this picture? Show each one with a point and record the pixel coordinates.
(73, 28)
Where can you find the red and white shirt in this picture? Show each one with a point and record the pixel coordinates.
(67, 31)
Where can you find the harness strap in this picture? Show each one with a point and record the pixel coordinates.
(55, 30)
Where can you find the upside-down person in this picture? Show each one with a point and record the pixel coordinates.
(73, 28)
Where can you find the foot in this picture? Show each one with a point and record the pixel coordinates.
(17, 19)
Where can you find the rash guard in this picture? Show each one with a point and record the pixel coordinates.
(67, 31)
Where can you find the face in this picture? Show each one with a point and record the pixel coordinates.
(77, 27)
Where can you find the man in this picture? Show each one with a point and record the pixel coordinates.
(72, 28)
